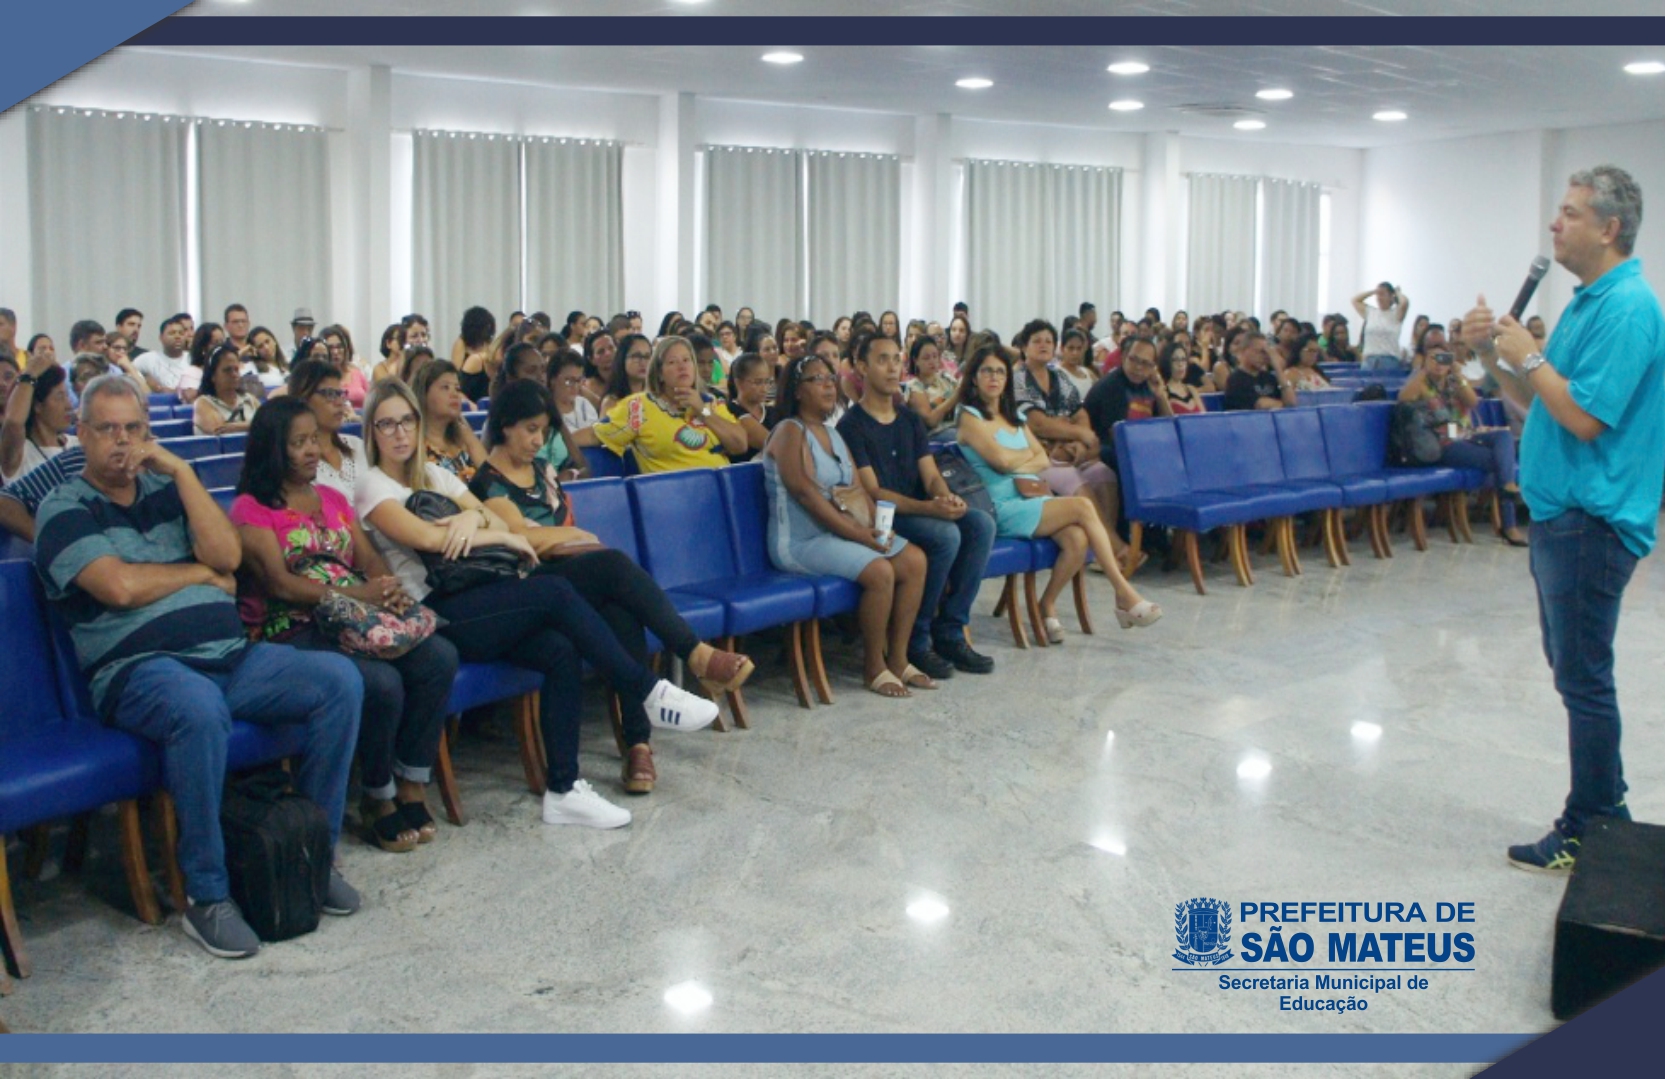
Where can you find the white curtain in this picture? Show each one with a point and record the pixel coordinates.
(265, 225)
(1220, 269)
(465, 228)
(106, 218)
(855, 253)
(574, 227)
(754, 230)
(1040, 239)
(1289, 259)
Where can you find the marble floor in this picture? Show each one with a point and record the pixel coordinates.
(1003, 855)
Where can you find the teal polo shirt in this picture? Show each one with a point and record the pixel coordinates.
(1610, 346)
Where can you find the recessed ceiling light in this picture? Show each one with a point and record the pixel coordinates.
(1645, 67)
(1275, 94)
(783, 57)
(1127, 105)
(1390, 116)
(928, 910)
(1128, 67)
(974, 84)
(1254, 768)
(688, 997)
(1249, 125)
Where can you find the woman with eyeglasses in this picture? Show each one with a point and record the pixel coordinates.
(341, 457)
(540, 621)
(805, 461)
(283, 515)
(1304, 372)
(39, 418)
(749, 382)
(565, 384)
(629, 371)
(452, 444)
(1003, 451)
(222, 408)
(338, 346)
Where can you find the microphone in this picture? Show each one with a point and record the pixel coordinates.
(1540, 266)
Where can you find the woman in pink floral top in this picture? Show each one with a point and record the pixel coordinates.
(301, 540)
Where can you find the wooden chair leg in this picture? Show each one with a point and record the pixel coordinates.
(1193, 560)
(1327, 525)
(1008, 603)
(1283, 530)
(167, 823)
(1419, 527)
(736, 697)
(1494, 508)
(133, 862)
(615, 717)
(445, 777)
(1081, 613)
(1032, 602)
(526, 733)
(795, 650)
(817, 662)
(37, 846)
(1379, 523)
(11, 937)
(1237, 542)
(1459, 503)
(1135, 540)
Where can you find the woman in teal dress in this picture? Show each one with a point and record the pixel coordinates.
(1006, 455)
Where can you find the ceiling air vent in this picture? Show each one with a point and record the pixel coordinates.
(1221, 112)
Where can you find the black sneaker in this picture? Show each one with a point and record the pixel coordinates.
(964, 659)
(932, 664)
(1553, 853)
(342, 898)
(220, 929)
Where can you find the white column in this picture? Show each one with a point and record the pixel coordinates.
(362, 208)
(15, 239)
(675, 268)
(1153, 241)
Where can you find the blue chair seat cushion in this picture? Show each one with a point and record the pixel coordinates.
(835, 595)
(707, 617)
(759, 601)
(254, 744)
(1009, 556)
(71, 768)
(1201, 511)
(488, 683)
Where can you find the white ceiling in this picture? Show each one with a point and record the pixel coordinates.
(1448, 91)
(776, 8)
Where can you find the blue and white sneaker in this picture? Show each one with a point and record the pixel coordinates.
(1553, 853)
(672, 708)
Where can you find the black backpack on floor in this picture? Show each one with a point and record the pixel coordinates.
(277, 853)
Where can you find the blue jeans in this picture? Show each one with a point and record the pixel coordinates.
(1581, 568)
(1491, 452)
(188, 713)
(955, 554)
(1383, 362)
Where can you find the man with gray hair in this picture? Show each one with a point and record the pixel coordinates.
(1592, 464)
(140, 561)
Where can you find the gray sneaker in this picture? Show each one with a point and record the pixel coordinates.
(342, 898)
(220, 929)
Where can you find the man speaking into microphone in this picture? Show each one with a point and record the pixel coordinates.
(1591, 470)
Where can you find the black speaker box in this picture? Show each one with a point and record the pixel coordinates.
(1611, 927)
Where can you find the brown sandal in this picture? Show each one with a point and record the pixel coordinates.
(639, 773)
(726, 672)
(385, 829)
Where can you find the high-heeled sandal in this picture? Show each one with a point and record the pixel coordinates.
(1144, 613)
(386, 828)
(639, 772)
(419, 820)
(726, 672)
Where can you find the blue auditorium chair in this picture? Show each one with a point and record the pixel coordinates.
(220, 470)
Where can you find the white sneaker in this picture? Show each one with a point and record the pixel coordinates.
(674, 709)
(582, 805)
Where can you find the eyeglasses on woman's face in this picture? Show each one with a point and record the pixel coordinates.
(992, 372)
(332, 394)
(389, 425)
(816, 380)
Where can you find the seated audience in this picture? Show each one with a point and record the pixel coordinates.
(539, 622)
(1255, 384)
(601, 355)
(1072, 361)
(392, 349)
(1175, 369)
(728, 343)
(673, 424)
(83, 369)
(892, 454)
(264, 360)
(566, 381)
(1001, 448)
(338, 345)
(807, 465)
(749, 381)
(523, 490)
(1134, 391)
(156, 632)
(1304, 372)
(713, 373)
(39, 419)
(168, 369)
(1443, 400)
(472, 354)
(9, 370)
(1051, 408)
(341, 458)
(301, 540)
(222, 408)
(930, 391)
(629, 372)
(416, 358)
(452, 444)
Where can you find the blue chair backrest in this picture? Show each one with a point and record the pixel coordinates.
(681, 527)
(476, 421)
(354, 429)
(1256, 439)
(28, 677)
(1349, 439)
(184, 412)
(1150, 462)
(220, 470)
(191, 449)
(1489, 412)
(163, 430)
(236, 443)
(1213, 402)
(1214, 452)
(746, 512)
(603, 507)
(603, 462)
(1301, 443)
(165, 399)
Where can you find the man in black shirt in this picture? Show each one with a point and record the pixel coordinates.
(1133, 391)
(1256, 384)
(894, 463)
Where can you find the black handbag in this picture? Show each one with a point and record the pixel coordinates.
(963, 480)
(483, 565)
(277, 854)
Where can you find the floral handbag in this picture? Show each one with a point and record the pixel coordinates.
(354, 626)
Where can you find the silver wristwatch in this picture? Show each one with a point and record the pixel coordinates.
(706, 412)
(1531, 363)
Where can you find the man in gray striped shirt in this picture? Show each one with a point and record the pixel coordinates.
(140, 561)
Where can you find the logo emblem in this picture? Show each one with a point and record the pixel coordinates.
(1203, 929)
